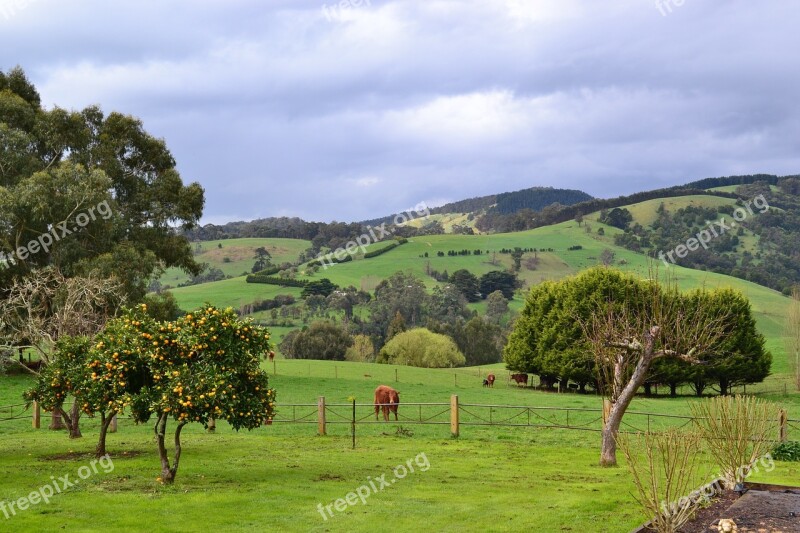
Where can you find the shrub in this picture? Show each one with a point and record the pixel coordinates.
(736, 430)
(787, 451)
(423, 348)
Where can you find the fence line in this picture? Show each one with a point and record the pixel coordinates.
(459, 414)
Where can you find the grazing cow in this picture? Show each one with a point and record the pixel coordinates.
(490, 379)
(520, 379)
(386, 399)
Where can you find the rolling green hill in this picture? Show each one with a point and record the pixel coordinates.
(769, 306)
(235, 256)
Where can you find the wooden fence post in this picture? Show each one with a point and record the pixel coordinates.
(37, 416)
(212, 425)
(112, 427)
(454, 415)
(784, 425)
(321, 429)
(606, 410)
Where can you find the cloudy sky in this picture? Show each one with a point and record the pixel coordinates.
(361, 108)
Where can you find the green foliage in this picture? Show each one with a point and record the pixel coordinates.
(85, 160)
(322, 287)
(275, 280)
(381, 251)
(548, 341)
(162, 306)
(466, 282)
(321, 340)
(505, 282)
(787, 451)
(423, 348)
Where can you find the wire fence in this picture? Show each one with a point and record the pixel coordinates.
(461, 414)
(18, 411)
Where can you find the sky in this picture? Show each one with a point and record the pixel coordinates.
(361, 108)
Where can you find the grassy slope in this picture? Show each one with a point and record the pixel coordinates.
(241, 253)
(768, 305)
(503, 478)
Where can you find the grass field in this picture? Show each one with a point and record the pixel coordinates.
(494, 478)
(235, 256)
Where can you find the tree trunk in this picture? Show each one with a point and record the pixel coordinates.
(72, 420)
(608, 453)
(724, 386)
(56, 422)
(74, 424)
(648, 389)
(673, 389)
(105, 422)
(168, 472)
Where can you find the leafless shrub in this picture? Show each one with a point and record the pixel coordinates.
(665, 470)
(736, 430)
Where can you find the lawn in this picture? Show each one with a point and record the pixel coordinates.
(495, 478)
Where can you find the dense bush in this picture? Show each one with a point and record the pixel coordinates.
(787, 451)
(274, 280)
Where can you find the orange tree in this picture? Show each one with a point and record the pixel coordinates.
(61, 379)
(205, 365)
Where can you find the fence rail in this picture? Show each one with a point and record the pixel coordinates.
(458, 414)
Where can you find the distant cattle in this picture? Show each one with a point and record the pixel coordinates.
(34, 366)
(489, 381)
(386, 399)
(485, 382)
(520, 379)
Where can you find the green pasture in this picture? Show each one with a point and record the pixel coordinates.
(503, 478)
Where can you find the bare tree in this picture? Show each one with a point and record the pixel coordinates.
(793, 335)
(46, 305)
(628, 333)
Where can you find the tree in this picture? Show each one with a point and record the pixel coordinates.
(496, 306)
(323, 287)
(401, 293)
(607, 257)
(482, 342)
(793, 335)
(739, 357)
(44, 307)
(447, 304)
(579, 218)
(321, 340)
(91, 164)
(162, 306)
(627, 334)
(361, 351)
(516, 256)
(396, 326)
(466, 282)
(496, 280)
(63, 378)
(422, 348)
(262, 258)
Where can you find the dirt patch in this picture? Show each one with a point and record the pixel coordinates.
(756, 511)
(329, 477)
(88, 455)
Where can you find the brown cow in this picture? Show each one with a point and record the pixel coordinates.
(490, 380)
(386, 399)
(520, 378)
